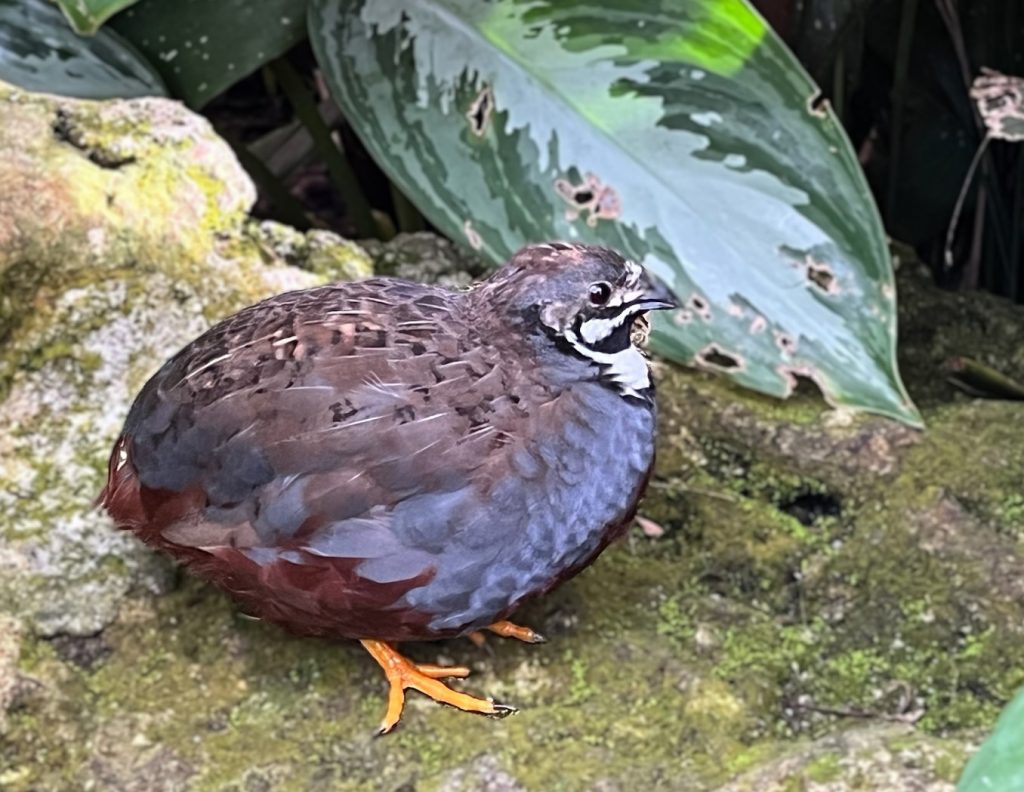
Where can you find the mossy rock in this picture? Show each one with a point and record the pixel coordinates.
(819, 600)
(123, 234)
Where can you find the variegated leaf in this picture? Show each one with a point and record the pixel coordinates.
(684, 134)
(999, 763)
(40, 52)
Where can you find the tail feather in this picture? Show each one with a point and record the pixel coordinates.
(146, 511)
(121, 497)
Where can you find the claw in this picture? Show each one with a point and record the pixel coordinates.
(403, 674)
(507, 629)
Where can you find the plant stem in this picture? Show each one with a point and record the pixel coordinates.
(408, 216)
(341, 173)
(1017, 222)
(899, 97)
(951, 19)
(288, 207)
(947, 251)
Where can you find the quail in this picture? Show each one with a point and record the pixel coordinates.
(391, 461)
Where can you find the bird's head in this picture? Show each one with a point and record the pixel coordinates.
(584, 301)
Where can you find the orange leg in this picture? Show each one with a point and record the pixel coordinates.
(507, 629)
(402, 674)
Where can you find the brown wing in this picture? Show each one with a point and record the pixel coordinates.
(329, 404)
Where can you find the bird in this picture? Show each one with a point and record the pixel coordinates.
(389, 461)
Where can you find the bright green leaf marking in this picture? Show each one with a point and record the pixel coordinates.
(721, 41)
(86, 16)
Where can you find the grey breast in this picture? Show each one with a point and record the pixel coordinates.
(562, 486)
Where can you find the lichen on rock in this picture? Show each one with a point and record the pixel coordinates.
(123, 234)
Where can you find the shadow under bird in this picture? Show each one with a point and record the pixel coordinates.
(390, 461)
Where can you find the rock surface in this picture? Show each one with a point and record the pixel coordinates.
(819, 601)
(123, 233)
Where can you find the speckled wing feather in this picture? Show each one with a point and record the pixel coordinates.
(295, 428)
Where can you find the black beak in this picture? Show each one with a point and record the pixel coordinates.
(657, 295)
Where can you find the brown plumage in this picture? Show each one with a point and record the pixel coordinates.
(392, 461)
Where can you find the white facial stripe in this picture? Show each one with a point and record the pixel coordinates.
(626, 296)
(626, 368)
(594, 331)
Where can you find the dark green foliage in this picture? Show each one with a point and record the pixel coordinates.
(39, 52)
(86, 16)
(899, 74)
(202, 47)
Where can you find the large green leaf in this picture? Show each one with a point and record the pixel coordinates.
(202, 47)
(998, 765)
(39, 52)
(684, 134)
(86, 16)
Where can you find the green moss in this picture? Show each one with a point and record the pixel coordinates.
(824, 769)
(949, 764)
(687, 651)
(579, 690)
(334, 258)
(675, 620)
(214, 686)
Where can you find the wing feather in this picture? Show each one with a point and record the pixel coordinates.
(347, 421)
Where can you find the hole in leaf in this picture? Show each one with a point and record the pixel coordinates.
(805, 386)
(813, 265)
(804, 381)
(817, 105)
(821, 275)
(479, 113)
(715, 357)
(700, 306)
(592, 199)
(785, 342)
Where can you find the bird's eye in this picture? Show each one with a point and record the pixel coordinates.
(600, 292)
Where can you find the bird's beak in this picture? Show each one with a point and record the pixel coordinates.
(656, 295)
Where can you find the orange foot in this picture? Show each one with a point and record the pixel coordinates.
(507, 629)
(402, 674)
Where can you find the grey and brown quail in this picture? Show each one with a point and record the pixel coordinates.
(391, 461)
